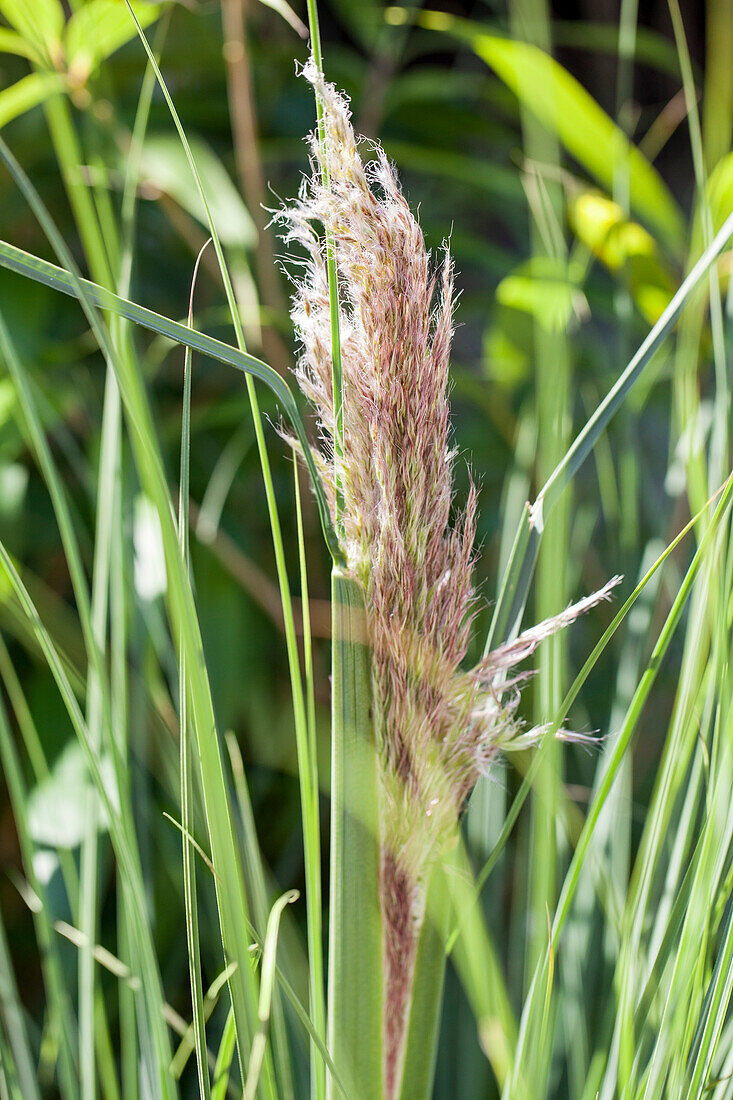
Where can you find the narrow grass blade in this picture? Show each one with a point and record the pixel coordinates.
(147, 962)
(210, 1001)
(254, 871)
(532, 1007)
(12, 1021)
(232, 901)
(585, 441)
(571, 696)
(267, 982)
(309, 796)
(477, 963)
(224, 1058)
(714, 1012)
(186, 747)
(61, 1023)
(93, 619)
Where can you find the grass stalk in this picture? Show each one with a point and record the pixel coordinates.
(553, 371)
(333, 290)
(186, 746)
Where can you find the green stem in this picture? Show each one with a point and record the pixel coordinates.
(355, 970)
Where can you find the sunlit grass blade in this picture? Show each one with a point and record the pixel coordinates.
(93, 617)
(210, 1000)
(267, 983)
(484, 983)
(186, 747)
(224, 1058)
(255, 876)
(714, 1011)
(119, 601)
(571, 696)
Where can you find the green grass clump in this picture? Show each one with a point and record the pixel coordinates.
(183, 695)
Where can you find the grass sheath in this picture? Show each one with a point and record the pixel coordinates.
(355, 993)
(423, 1025)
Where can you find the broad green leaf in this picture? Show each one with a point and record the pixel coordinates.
(626, 248)
(98, 29)
(58, 806)
(549, 291)
(12, 42)
(25, 94)
(39, 22)
(13, 487)
(8, 401)
(562, 104)
(546, 289)
(164, 165)
(720, 190)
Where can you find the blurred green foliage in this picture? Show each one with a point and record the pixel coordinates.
(444, 94)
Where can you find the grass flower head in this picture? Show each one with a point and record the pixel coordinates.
(437, 725)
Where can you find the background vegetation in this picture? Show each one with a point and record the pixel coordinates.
(568, 248)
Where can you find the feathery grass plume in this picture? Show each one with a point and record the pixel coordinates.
(437, 726)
